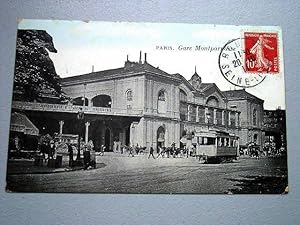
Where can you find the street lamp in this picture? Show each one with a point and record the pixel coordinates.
(83, 97)
(80, 117)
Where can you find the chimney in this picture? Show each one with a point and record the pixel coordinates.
(145, 58)
(92, 68)
(140, 61)
(127, 58)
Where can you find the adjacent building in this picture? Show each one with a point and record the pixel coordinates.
(251, 116)
(275, 127)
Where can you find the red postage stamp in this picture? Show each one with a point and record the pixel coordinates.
(261, 52)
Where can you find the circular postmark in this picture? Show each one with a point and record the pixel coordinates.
(233, 67)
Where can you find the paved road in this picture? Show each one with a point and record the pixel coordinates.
(122, 174)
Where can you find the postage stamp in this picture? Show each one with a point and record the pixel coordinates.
(261, 52)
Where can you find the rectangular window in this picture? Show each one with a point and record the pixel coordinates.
(232, 119)
(201, 114)
(193, 113)
(183, 111)
(226, 118)
(210, 116)
(219, 117)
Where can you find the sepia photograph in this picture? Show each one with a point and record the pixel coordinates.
(147, 108)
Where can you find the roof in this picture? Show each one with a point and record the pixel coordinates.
(240, 94)
(130, 68)
(205, 86)
(21, 123)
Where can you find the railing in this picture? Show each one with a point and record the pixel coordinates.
(34, 106)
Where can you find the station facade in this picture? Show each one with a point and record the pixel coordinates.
(171, 109)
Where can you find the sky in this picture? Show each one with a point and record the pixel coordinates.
(82, 45)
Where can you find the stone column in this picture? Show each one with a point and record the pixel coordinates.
(215, 116)
(223, 117)
(189, 114)
(61, 124)
(197, 114)
(89, 102)
(205, 115)
(229, 122)
(236, 119)
(87, 124)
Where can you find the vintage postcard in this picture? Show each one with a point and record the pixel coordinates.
(119, 107)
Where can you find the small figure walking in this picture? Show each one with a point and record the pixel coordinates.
(151, 153)
(130, 151)
(51, 149)
(102, 149)
(70, 150)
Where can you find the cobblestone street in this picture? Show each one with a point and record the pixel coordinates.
(117, 173)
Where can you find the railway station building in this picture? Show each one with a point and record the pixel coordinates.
(140, 104)
(167, 108)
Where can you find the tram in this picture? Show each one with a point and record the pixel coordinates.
(217, 147)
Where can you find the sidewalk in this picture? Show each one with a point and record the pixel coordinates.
(26, 166)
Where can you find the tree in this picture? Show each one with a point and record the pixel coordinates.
(35, 75)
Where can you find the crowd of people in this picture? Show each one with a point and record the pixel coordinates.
(268, 150)
(161, 152)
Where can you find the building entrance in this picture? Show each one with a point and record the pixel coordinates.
(107, 139)
(161, 137)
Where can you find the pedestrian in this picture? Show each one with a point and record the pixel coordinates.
(160, 152)
(51, 149)
(181, 152)
(136, 148)
(70, 150)
(151, 153)
(130, 151)
(186, 150)
(102, 148)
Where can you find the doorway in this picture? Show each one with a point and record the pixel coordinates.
(161, 137)
(107, 139)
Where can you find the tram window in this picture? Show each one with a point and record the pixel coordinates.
(210, 141)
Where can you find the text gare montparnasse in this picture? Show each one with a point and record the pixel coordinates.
(189, 48)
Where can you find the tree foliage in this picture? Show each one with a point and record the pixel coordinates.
(35, 75)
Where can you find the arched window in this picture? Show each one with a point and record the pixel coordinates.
(129, 95)
(254, 117)
(161, 96)
(161, 102)
(102, 101)
(212, 101)
(80, 101)
(182, 96)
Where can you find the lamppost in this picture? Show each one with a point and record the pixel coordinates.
(208, 118)
(80, 117)
(83, 98)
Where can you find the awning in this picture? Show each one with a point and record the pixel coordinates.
(183, 140)
(20, 123)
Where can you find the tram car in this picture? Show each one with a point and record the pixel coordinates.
(217, 147)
